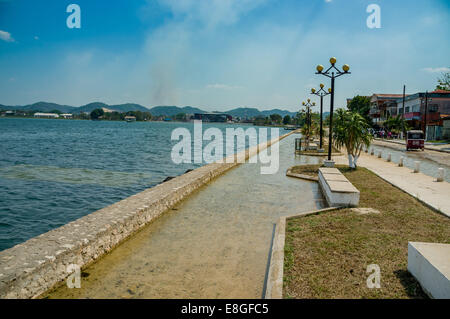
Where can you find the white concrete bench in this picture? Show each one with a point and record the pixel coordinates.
(312, 146)
(337, 189)
(429, 263)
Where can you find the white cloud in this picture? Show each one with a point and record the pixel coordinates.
(36, 37)
(328, 1)
(437, 70)
(6, 36)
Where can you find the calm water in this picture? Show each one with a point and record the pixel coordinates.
(55, 171)
(213, 244)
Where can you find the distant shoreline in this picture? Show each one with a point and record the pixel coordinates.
(172, 121)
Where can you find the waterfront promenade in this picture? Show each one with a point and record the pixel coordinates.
(214, 244)
(421, 186)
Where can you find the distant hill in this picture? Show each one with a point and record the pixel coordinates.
(42, 107)
(128, 107)
(90, 107)
(119, 107)
(242, 112)
(247, 112)
(174, 110)
(283, 113)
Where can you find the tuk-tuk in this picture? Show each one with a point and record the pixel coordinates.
(415, 140)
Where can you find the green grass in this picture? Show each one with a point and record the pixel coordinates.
(326, 255)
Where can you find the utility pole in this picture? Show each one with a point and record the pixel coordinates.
(425, 116)
(403, 105)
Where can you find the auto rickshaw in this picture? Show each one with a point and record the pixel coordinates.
(415, 140)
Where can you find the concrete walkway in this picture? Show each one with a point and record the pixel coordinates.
(214, 244)
(423, 187)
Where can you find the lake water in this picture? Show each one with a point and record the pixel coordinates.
(55, 171)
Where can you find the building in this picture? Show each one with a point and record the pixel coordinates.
(130, 118)
(66, 115)
(446, 127)
(437, 109)
(213, 117)
(382, 106)
(385, 105)
(46, 115)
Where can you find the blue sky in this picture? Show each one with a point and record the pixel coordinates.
(216, 54)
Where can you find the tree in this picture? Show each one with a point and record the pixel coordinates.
(96, 114)
(444, 82)
(361, 105)
(180, 117)
(287, 120)
(350, 130)
(259, 120)
(396, 124)
(276, 118)
(300, 118)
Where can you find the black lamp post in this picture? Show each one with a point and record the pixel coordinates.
(308, 106)
(321, 93)
(332, 72)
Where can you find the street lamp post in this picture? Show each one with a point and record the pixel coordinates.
(332, 72)
(308, 106)
(321, 92)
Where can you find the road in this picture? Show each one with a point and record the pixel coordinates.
(439, 158)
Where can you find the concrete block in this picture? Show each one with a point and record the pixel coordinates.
(388, 157)
(336, 188)
(440, 177)
(429, 263)
(416, 167)
(400, 162)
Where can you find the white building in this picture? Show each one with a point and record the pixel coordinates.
(46, 115)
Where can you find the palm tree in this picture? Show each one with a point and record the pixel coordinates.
(397, 124)
(351, 131)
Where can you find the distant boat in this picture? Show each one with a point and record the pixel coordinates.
(129, 118)
(289, 127)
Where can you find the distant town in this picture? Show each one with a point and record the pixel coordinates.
(387, 113)
(135, 112)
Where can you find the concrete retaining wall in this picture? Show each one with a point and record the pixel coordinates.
(29, 269)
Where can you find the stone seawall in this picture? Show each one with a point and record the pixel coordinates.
(29, 269)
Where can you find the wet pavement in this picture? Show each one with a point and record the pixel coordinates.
(214, 244)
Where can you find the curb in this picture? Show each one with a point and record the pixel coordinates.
(274, 288)
(301, 176)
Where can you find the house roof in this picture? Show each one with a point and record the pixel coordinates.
(389, 95)
(441, 91)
